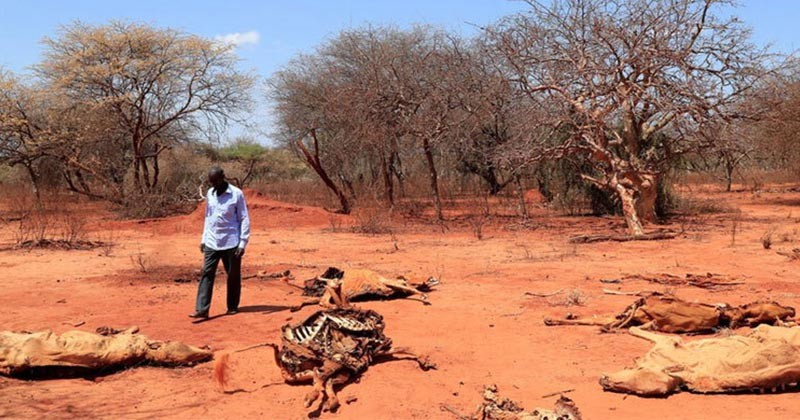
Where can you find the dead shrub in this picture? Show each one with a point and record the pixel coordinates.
(697, 206)
(335, 222)
(571, 202)
(477, 223)
(142, 262)
(767, 238)
(372, 221)
(42, 228)
(574, 297)
(413, 208)
(161, 203)
(72, 228)
(34, 228)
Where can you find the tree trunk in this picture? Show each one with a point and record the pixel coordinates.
(137, 180)
(648, 194)
(145, 174)
(729, 169)
(388, 182)
(434, 178)
(34, 182)
(523, 207)
(314, 162)
(637, 194)
(627, 196)
(156, 172)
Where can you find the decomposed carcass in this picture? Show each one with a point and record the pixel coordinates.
(766, 359)
(362, 284)
(495, 408)
(78, 353)
(330, 348)
(672, 315)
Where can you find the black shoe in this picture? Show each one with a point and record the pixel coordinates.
(201, 315)
(232, 312)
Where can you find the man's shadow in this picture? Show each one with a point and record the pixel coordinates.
(264, 309)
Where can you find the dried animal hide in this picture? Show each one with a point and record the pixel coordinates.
(331, 348)
(81, 353)
(673, 315)
(494, 408)
(766, 359)
(361, 284)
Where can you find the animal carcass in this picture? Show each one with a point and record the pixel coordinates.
(331, 348)
(361, 284)
(673, 315)
(766, 359)
(81, 353)
(494, 408)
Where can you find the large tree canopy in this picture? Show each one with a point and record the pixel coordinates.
(156, 86)
(636, 83)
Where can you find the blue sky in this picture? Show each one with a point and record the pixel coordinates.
(271, 32)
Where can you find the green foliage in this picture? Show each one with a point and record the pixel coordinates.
(246, 161)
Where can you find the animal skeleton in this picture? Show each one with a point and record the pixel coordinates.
(673, 315)
(330, 348)
(360, 284)
(766, 359)
(333, 346)
(494, 408)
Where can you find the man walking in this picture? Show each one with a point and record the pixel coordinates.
(225, 235)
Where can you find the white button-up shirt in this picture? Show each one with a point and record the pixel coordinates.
(227, 224)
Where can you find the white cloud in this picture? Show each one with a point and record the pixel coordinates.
(239, 38)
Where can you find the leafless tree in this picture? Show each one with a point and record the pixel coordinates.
(365, 98)
(634, 84)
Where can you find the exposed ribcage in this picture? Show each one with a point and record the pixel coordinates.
(350, 324)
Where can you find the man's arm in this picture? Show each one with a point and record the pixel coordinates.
(205, 227)
(244, 225)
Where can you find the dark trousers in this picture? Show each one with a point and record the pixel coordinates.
(233, 267)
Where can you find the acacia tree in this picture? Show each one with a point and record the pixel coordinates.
(25, 134)
(157, 86)
(362, 100)
(636, 83)
(779, 132)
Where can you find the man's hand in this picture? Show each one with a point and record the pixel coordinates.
(239, 253)
(202, 247)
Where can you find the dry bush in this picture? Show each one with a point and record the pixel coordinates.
(372, 221)
(141, 262)
(767, 238)
(477, 223)
(72, 228)
(571, 202)
(41, 227)
(412, 208)
(335, 223)
(698, 206)
(755, 179)
(46, 223)
(302, 191)
(34, 228)
(479, 217)
(574, 297)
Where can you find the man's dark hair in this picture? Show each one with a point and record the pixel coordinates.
(216, 171)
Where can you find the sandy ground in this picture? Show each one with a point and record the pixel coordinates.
(481, 328)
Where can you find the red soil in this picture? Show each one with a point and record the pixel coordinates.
(481, 328)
